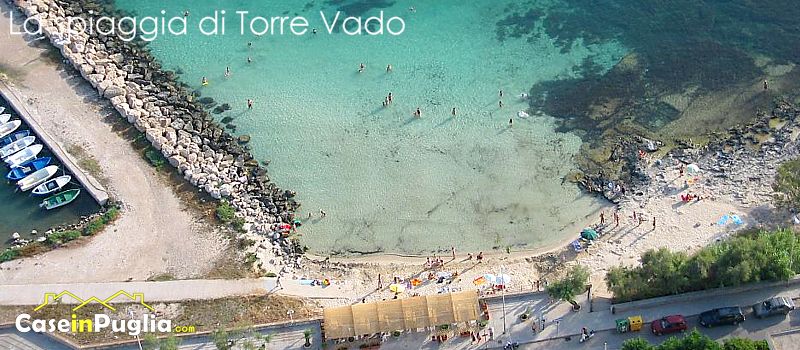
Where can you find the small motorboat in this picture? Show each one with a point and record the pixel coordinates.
(28, 168)
(4, 118)
(23, 156)
(14, 137)
(9, 127)
(2, 109)
(61, 199)
(16, 146)
(38, 177)
(52, 185)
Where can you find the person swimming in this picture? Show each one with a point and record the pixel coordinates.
(249, 60)
(186, 13)
(361, 68)
(227, 71)
(314, 31)
(204, 82)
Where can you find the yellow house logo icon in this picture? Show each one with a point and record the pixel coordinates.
(50, 298)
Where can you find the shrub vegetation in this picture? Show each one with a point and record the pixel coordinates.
(746, 258)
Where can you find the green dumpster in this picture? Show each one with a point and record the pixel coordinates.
(623, 325)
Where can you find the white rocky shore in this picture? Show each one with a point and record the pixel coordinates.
(163, 109)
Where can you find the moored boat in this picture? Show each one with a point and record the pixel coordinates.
(2, 109)
(23, 156)
(38, 177)
(14, 137)
(9, 127)
(27, 168)
(60, 199)
(16, 146)
(52, 185)
(4, 118)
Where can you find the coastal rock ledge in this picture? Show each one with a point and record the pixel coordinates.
(163, 109)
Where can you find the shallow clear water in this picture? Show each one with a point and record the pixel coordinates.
(21, 212)
(389, 181)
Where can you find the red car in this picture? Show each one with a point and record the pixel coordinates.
(669, 324)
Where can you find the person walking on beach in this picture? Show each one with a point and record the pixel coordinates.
(380, 282)
(322, 213)
(616, 219)
(480, 257)
(602, 218)
(249, 104)
(454, 252)
(654, 222)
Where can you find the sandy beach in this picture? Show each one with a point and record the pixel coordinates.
(156, 233)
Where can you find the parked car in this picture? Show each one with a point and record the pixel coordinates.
(773, 306)
(724, 315)
(669, 324)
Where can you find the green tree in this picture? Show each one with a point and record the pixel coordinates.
(787, 185)
(221, 339)
(171, 342)
(637, 344)
(567, 288)
(745, 344)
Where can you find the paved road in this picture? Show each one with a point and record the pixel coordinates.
(552, 337)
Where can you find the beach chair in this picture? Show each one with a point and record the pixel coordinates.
(577, 246)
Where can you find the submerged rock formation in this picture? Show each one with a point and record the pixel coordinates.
(176, 125)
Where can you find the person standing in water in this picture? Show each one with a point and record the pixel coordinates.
(454, 111)
(361, 68)
(501, 93)
(418, 113)
(501, 103)
(511, 122)
(389, 68)
(391, 99)
(204, 81)
(766, 85)
(227, 71)
(249, 104)
(249, 60)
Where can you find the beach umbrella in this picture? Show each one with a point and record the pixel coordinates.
(479, 281)
(397, 288)
(502, 280)
(692, 169)
(415, 282)
(489, 277)
(589, 233)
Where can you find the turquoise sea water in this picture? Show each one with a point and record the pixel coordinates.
(389, 181)
(21, 212)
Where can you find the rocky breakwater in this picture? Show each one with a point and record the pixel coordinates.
(162, 108)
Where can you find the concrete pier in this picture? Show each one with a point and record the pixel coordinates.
(90, 184)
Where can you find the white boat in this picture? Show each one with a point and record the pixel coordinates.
(4, 118)
(9, 127)
(2, 109)
(16, 146)
(19, 158)
(52, 185)
(38, 177)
